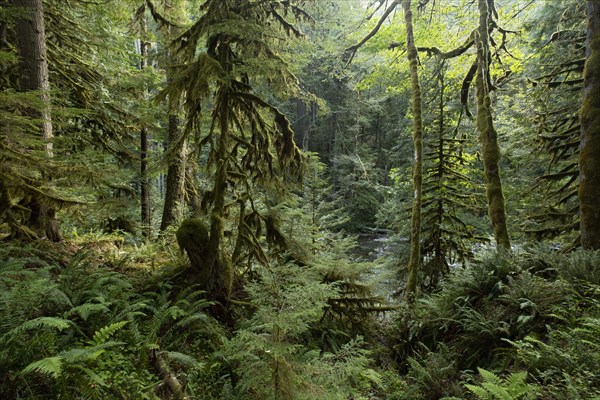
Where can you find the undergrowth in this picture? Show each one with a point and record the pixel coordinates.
(528, 317)
(523, 325)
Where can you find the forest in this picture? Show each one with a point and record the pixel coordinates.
(300, 199)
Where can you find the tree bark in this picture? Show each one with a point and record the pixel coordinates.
(146, 216)
(490, 151)
(176, 144)
(415, 233)
(589, 115)
(175, 175)
(34, 76)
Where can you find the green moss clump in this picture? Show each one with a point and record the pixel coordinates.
(213, 273)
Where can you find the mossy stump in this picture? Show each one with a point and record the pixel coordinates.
(210, 270)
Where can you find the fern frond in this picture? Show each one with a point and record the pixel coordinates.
(497, 391)
(86, 309)
(56, 323)
(183, 359)
(103, 334)
(49, 366)
(489, 376)
(480, 392)
(78, 355)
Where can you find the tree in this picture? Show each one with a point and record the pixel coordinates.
(556, 76)
(589, 114)
(34, 76)
(175, 154)
(146, 213)
(250, 142)
(490, 152)
(415, 232)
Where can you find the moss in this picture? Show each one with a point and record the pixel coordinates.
(212, 272)
(490, 151)
(415, 238)
(192, 237)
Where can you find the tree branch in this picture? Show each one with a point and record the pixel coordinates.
(351, 51)
(445, 54)
(168, 377)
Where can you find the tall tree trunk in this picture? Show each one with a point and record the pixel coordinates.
(175, 174)
(146, 216)
(415, 231)
(589, 114)
(488, 136)
(438, 250)
(34, 76)
(176, 144)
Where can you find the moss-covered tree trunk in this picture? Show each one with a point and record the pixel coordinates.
(490, 151)
(415, 232)
(34, 76)
(589, 158)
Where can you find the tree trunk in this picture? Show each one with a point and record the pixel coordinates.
(589, 115)
(34, 76)
(490, 151)
(175, 175)
(146, 217)
(415, 232)
(176, 144)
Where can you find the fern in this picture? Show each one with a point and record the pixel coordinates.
(103, 334)
(55, 323)
(183, 359)
(513, 387)
(50, 366)
(86, 309)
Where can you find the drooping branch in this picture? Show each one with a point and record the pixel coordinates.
(464, 90)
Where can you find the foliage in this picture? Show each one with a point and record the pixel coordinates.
(529, 311)
(89, 332)
(513, 387)
(271, 360)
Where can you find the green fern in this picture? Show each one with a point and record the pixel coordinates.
(55, 323)
(494, 387)
(183, 359)
(50, 366)
(103, 334)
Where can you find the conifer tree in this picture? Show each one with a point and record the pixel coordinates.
(250, 142)
(589, 158)
(557, 79)
(34, 76)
